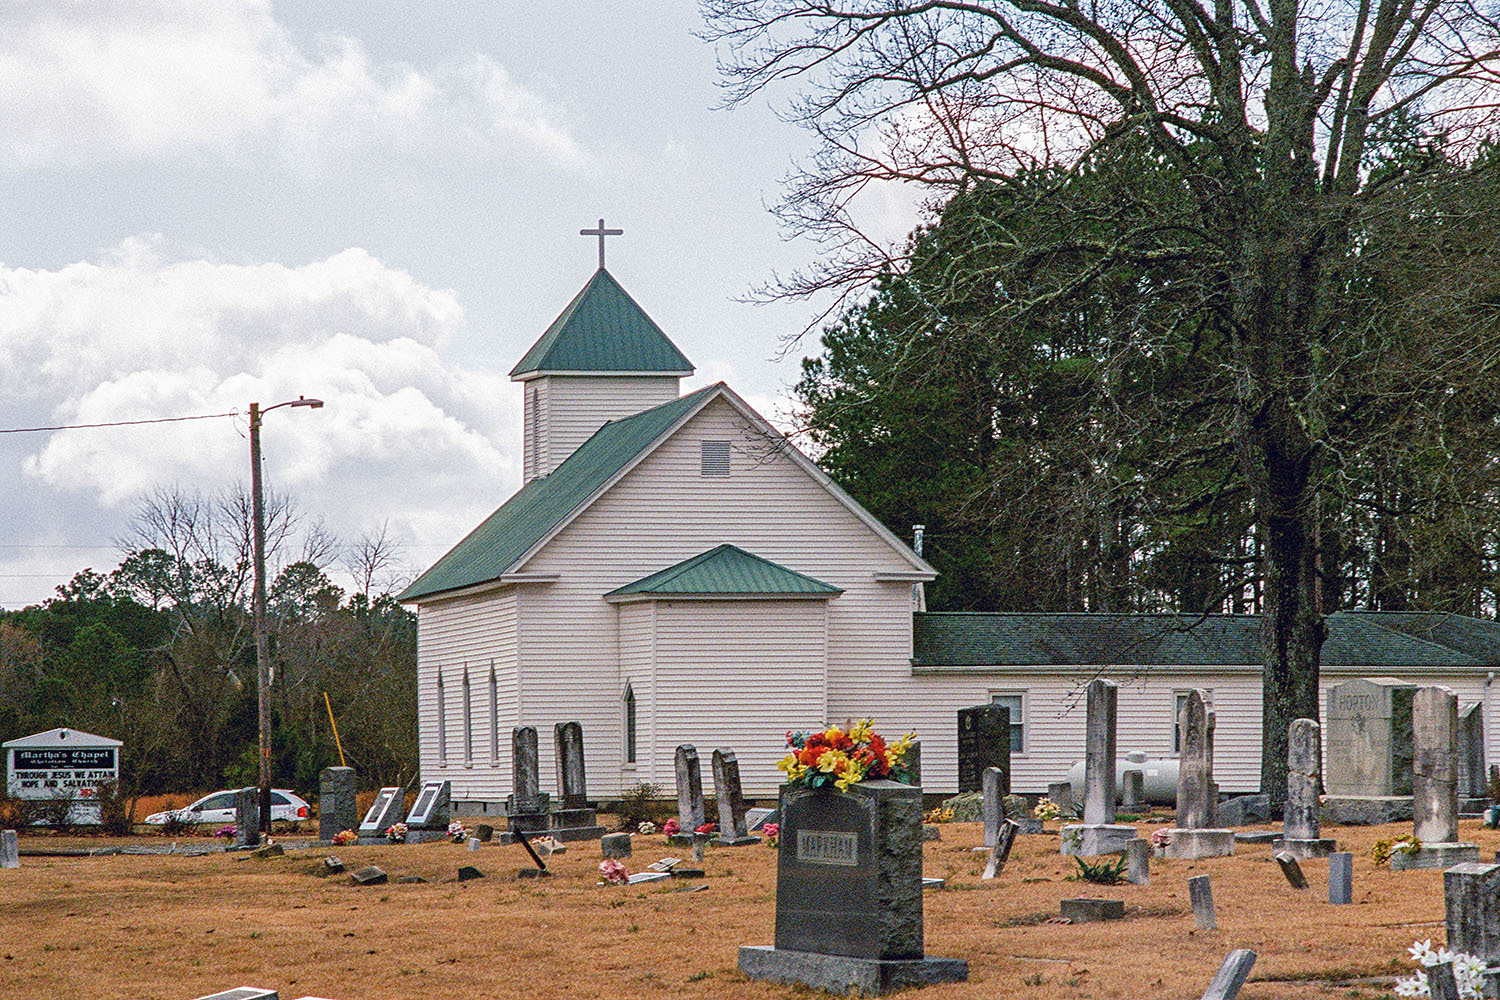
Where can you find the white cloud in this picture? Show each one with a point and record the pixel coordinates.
(406, 435)
(85, 81)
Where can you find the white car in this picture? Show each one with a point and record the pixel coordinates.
(219, 808)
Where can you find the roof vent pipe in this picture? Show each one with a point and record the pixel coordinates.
(918, 592)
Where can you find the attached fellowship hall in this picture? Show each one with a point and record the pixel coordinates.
(674, 570)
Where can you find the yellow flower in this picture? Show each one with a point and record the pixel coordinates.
(860, 731)
(829, 761)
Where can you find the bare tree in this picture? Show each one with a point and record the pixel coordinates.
(374, 561)
(1266, 110)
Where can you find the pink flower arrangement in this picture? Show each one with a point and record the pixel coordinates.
(708, 828)
(614, 872)
(772, 833)
(671, 827)
(1161, 837)
(226, 832)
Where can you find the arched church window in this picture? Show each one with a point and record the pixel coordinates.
(442, 726)
(468, 722)
(629, 724)
(494, 717)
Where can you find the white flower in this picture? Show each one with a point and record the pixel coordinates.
(1420, 950)
(1414, 986)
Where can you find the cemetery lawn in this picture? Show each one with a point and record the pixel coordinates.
(172, 927)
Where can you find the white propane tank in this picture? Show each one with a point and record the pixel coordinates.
(1158, 778)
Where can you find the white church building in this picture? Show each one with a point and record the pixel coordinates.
(673, 570)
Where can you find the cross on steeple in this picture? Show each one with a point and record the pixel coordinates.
(601, 232)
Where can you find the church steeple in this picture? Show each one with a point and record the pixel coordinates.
(602, 359)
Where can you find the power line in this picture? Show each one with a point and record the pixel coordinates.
(117, 423)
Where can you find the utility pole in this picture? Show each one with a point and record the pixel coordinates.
(258, 609)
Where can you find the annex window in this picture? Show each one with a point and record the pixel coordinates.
(494, 717)
(1179, 698)
(442, 726)
(1016, 702)
(629, 701)
(715, 458)
(468, 722)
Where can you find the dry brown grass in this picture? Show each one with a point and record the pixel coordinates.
(173, 927)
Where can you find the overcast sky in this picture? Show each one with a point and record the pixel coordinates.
(370, 202)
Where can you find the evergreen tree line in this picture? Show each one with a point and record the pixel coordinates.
(160, 653)
(1045, 384)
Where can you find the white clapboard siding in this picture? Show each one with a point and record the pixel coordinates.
(728, 674)
(665, 511)
(1053, 706)
(467, 633)
(573, 407)
(637, 669)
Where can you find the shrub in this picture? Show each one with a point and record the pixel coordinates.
(115, 818)
(55, 811)
(640, 804)
(16, 814)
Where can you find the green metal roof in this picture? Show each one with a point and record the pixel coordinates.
(1365, 639)
(726, 571)
(542, 504)
(603, 330)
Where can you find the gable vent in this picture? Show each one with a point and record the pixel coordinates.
(715, 458)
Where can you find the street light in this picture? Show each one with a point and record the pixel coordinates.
(262, 641)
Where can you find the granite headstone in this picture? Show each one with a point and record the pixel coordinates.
(337, 810)
(849, 893)
(983, 742)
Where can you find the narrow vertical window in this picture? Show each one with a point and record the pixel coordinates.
(629, 724)
(468, 722)
(494, 717)
(442, 726)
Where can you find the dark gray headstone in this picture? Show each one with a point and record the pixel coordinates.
(1434, 715)
(1472, 776)
(983, 742)
(468, 873)
(1369, 737)
(571, 783)
(10, 849)
(1341, 877)
(369, 875)
(731, 800)
(384, 812)
(689, 789)
(1300, 828)
(1231, 975)
(526, 795)
(1195, 766)
(912, 762)
(1000, 852)
(1291, 869)
(431, 808)
(849, 893)
(1471, 895)
(337, 810)
(1442, 984)
(615, 845)
(1099, 753)
(1061, 795)
(1087, 911)
(247, 817)
(849, 871)
(1201, 895)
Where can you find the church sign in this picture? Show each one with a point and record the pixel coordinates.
(63, 763)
